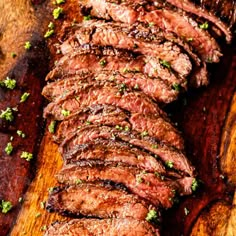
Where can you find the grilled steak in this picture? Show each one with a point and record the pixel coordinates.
(116, 151)
(156, 126)
(98, 93)
(154, 87)
(95, 200)
(159, 191)
(96, 59)
(105, 227)
(118, 35)
(189, 6)
(164, 152)
(165, 18)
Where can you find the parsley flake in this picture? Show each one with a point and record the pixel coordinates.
(27, 45)
(7, 114)
(27, 156)
(57, 12)
(24, 97)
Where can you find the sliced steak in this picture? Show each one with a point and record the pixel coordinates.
(105, 227)
(97, 93)
(156, 88)
(116, 151)
(96, 59)
(166, 153)
(156, 126)
(160, 192)
(189, 6)
(95, 200)
(120, 36)
(165, 18)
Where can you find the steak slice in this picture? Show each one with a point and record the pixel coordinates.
(156, 126)
(104, 227)
(96, 200)
(160, 192)
(189, 6)
(116, 151)
(98, 93)
(167, 19)
(118, 35)
(166, 153)
(156, 88)
(96, 59)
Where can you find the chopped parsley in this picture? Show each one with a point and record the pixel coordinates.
(152, 216)
(49, 33)
(6, 206)
(57, 12)
(24, 97)
(13, 54)
(87, 18)
(51, 189)
(154, 146)
(59, 1)
(144, 133)
(204, 26)
(38, 214)
(43, 228)
(189, 39)
(7, 114)
(51, 25)
(8, 83)
(194, 185)
(9, 148)
(103, 63)
(127, 128)
(122, 88)
(165, 63)
(51, 127)
(27, 156)
(78, 181)
(151, 24)
(20, 133)
(169, 164)
(118, 127)
(27, 45)
(139, 179)
(176, 87)
(65, 112)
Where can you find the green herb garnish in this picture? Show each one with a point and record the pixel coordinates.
(204, 26)
(169, 164)
(57, 12)
(6, 206)
(9, 148)
(51, 127)
(152, 216)
(65, 112)
(165, 63)
(8, 83)
(103, 63)
(7, 114)
(49, 33)
(20, 133)
(27, 45)
(87, 18)
(27, 156)
(24, 97)
(194, 185)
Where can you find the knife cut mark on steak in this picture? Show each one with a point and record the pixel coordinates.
(131, 12)
(97, 93)
(96, 59)
(105, 227)
(164, 152)
(156, 126)
(118, 35)
(95, 200)
(154, 87)
(144, 184)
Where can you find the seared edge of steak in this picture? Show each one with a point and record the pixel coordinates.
(96, 200)
(165, 152)
(159, 191)
(105, 227)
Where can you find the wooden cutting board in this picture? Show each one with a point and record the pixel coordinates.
(207, 118)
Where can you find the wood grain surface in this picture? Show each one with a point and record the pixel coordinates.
(207, 118)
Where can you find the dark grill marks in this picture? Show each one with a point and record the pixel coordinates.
(144, 184)
(97, 200)
(105, 227)
(119, 36)
(166, 153)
